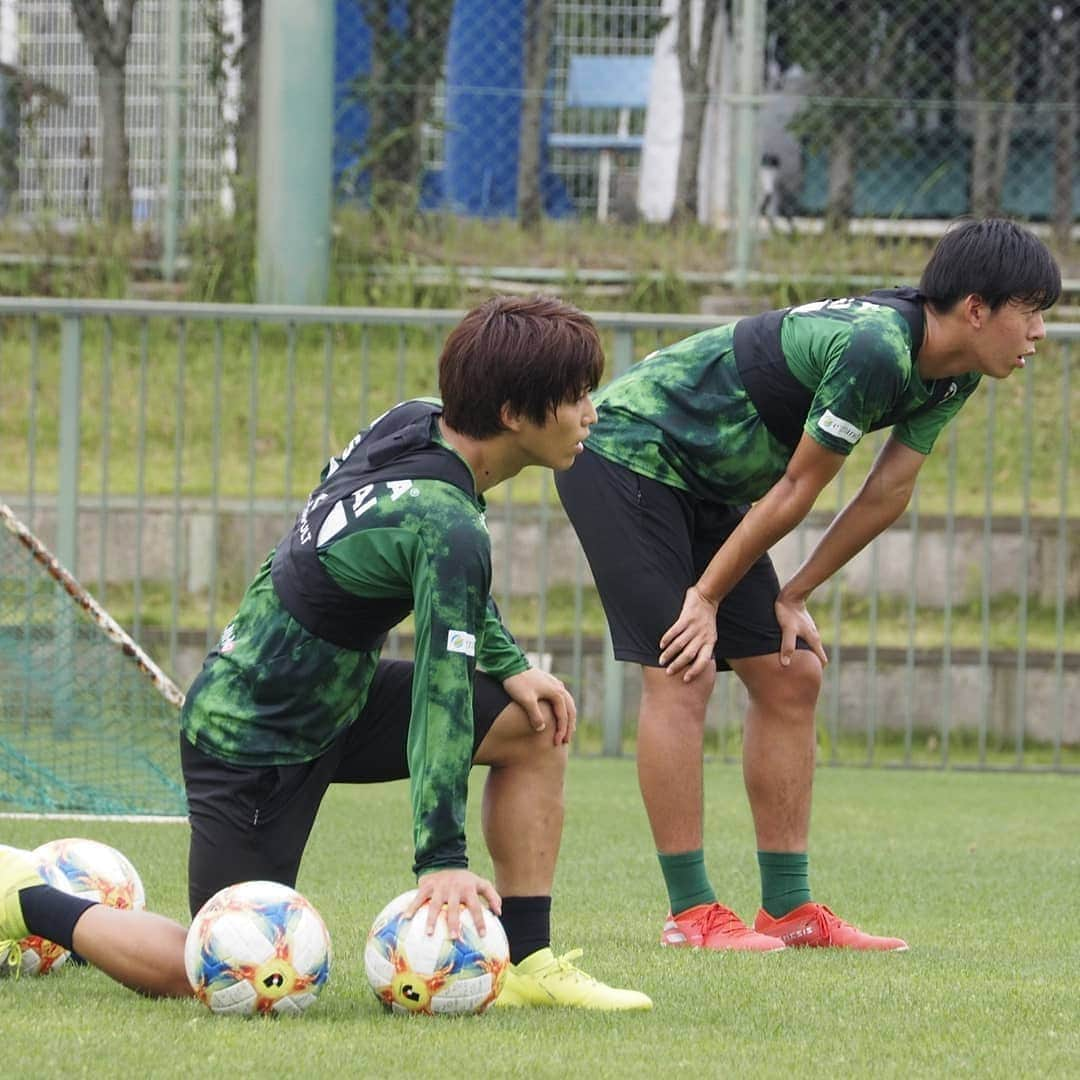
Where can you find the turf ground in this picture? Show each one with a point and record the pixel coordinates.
(979, 872)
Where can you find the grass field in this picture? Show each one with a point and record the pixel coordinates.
(978, 872)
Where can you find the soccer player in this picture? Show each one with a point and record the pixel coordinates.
(709, 451)
(295, 695)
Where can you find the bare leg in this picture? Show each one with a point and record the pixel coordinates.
(522, 812)
(142, 950)
(670, 740)
(779, 742)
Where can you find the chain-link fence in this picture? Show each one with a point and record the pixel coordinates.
(787, 112)
(74, 117)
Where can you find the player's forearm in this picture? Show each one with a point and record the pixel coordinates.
(497, 652)
(767, 521)
(439, 752)
(865, 517)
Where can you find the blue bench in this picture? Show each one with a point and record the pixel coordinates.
(605, 82)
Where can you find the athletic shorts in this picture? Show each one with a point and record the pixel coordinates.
(646, 544)
(251, 823)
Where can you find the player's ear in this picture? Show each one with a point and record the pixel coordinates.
(976, 310)
(511, 420)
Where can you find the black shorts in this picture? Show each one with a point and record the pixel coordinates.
(647, 543)
(251, 823)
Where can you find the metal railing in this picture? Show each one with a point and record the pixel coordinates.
(160, 449)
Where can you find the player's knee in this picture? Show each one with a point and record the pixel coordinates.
(670, 696)
(792, 687)
(798, 684)
(513, 740)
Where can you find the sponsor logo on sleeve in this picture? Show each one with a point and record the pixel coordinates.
(460, 642)
(834, 425)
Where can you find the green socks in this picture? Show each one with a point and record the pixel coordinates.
(785, 881)
(686, 880)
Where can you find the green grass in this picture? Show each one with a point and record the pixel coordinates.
(962, 865)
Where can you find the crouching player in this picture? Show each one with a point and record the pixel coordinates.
(295, 695)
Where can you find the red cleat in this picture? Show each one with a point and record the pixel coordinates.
(815, 926)
(713, 926)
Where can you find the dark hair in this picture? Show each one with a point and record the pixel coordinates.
(528, 353)
(995, 259)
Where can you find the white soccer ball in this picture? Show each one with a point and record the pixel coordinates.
(40, 956)
(257, 947)
(412, 972)
(95, 871)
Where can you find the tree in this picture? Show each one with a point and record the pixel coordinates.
(408, 47)
(237, 50)
(247, 124)
(1065, 42)
(108, 44)
(694, 76)
(995, 55)
(854, 54)
(539, 30)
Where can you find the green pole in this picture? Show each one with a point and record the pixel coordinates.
(296, 126)
(747, 103)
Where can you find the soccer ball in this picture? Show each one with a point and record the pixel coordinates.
(257, 947)
(412, 972)
(40, 956)
(95, 871)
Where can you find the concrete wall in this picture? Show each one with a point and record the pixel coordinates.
(888, 695)
(186, 540)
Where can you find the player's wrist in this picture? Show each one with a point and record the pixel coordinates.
(793, 596)
(705, 595)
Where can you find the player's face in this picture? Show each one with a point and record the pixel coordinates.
(557, 442)
(1008, 337)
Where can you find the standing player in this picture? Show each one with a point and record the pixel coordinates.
(295, 696)
(764, 413)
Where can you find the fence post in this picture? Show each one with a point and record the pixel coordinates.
(622, 356)
(64, 622)
(750, 33)
(67, 491)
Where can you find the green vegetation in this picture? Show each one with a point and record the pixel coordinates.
(276, 400)
(394, 259)
(955, 863)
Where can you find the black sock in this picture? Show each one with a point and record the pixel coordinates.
(527, 922)
(51, 913)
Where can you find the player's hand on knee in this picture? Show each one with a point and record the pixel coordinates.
(687, 645)
(546, 701)
(450, 889)
(796, 622)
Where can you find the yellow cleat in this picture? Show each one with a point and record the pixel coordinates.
(10, 960)
(17, 872)
(544, 979)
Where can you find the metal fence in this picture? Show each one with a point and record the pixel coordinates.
(749, 114)
(162, 449)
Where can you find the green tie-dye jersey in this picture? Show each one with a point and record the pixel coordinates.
(270, 692)
(683, 416)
